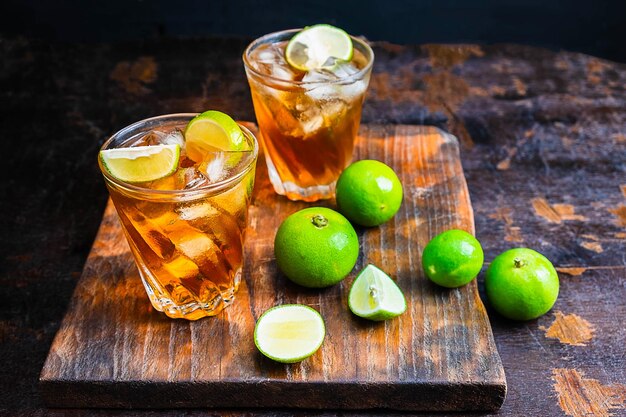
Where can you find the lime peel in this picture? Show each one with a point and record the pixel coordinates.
(521, 284)
(368, 193)
(375, 296)
(141, 163)
(316, 247)
(289, 333)
(452, 258)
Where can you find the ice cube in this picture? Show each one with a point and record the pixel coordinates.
(323, 92)
(197, 212)
(271, 61)
(216, 168)
(151, 138)
(171, 182)
(154, 209)
(280, 71)
(354, 90)
(181, 267)
(175, 137)
(333, 109)
(284, 117)
(328, 82)
(194, 178)
(194, 246)
(266, 56)
(322, 85)
(343, 69)
(311, 120)
(211, 218)
(150, 232)
(201, 249)
(318, 76)
(216, 224)
(272, 54)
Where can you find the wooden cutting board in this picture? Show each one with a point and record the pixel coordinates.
(114, 350)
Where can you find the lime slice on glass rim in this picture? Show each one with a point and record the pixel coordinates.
(315, 46)
(375, 296)
(141, 163)
(289, 333)
(211, 132)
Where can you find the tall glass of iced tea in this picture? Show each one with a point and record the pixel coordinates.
(185, 230)
(308, 119)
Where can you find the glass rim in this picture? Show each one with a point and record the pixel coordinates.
(353, 77)
(204, 191)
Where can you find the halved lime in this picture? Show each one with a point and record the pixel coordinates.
(141, 163)
(316, 46)
(289, 333)
(375, 296)
(210, 132)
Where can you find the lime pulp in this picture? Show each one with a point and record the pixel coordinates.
(289, 333)
(375, 296)
(141, 163)
(318, 46)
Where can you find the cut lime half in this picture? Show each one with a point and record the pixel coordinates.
(289, 333)
(211, 132)
(375, 296)
(318, 46)
(141, 163)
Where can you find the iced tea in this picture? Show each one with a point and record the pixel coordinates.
(186, 230)
(308, 119)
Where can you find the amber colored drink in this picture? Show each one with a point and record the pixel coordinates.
(308, 120)
(186, 230)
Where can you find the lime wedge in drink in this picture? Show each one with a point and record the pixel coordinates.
(316, 46)
(210, 132)
(289, 333)
(141, 163)
(375, 296)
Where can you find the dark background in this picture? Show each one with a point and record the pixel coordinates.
(545, 125)
(593, 27)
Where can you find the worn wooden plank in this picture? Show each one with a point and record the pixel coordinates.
(113, 350)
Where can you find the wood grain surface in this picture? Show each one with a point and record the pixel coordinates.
(114, 350)
(543, 132)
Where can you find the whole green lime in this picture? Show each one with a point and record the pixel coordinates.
(452, 258)
(368, 193)
(522, 284)
(316, 247)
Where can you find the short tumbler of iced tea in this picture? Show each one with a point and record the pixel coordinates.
(308, 120)
(185, 230)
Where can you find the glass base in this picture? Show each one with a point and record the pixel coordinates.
(193, 310)
(296, 193)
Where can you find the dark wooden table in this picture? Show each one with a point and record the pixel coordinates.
(544, 152)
